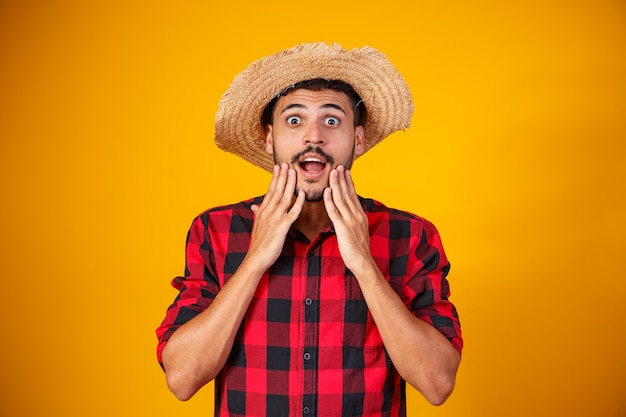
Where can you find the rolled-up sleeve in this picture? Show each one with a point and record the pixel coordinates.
(427, 291)
(196, 289)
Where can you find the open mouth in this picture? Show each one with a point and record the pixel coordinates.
(312, 164)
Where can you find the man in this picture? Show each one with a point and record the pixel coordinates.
(312, 300)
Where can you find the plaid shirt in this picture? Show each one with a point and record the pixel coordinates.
(308, 345)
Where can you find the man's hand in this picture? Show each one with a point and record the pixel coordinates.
(274, 217)
(349, 219)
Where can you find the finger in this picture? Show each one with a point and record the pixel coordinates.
(350, 200)
(337, 184)
(277, 186)
(282, 176)
(331, 208)
(272, 186)
(350, 183)
(290, 187)
(341, 179)
(296, 209)
(351, 191)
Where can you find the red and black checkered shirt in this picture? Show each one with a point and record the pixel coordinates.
(308, 345)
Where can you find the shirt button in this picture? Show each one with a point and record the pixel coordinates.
(308, 301)
(306, 410)
(307, 356)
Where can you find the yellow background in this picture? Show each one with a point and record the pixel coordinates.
(516, 153)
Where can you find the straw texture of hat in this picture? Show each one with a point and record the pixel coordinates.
(382, 88)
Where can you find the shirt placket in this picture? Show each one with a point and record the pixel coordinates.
(310, 338)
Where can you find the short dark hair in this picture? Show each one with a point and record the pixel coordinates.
(318, 84)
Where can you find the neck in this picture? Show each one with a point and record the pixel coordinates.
(313, 219)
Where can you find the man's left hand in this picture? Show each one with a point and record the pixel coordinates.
(349, 219)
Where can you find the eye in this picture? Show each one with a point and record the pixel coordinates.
(293, 120)
(332, 121)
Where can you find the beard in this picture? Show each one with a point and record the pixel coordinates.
(315, 195)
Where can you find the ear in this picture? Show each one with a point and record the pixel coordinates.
(359, 141)
(269, 140)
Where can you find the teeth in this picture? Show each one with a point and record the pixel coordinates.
(312, 160)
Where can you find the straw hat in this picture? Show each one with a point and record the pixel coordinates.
(386, 96)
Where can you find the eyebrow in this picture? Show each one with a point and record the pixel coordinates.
(302, 106)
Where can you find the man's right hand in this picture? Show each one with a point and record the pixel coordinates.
(274, 217)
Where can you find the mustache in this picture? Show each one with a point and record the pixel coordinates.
(315, 150)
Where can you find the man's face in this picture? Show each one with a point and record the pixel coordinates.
(313, 131)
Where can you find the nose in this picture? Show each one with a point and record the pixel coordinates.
(313, 135)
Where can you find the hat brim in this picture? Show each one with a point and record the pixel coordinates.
(386, 95)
